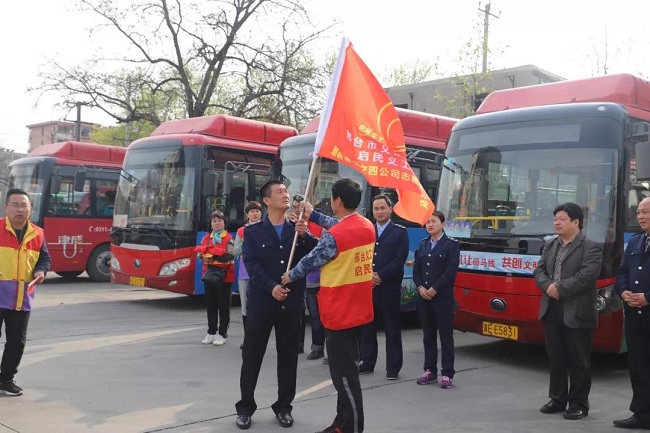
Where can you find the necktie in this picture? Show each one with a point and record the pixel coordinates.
(647, 242)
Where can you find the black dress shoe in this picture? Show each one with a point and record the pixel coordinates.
(243, 422)
(632, 422)
(553, 407)
(285, 419)
(575, 412)
(315, 354)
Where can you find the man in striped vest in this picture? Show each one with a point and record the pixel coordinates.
(24, 260)
(345, 253)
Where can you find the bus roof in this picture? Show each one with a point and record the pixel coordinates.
(624, 89)
(420, 129)
(77, 153)
(223, 126)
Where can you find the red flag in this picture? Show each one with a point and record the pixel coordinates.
(360, 128)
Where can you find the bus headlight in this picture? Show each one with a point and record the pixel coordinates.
(171, 268)
(115, 264)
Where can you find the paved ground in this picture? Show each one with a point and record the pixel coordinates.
(106, 358)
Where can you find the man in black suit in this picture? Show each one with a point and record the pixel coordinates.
(567, 274)
(391, 251)
(266, 250)
(633, 286)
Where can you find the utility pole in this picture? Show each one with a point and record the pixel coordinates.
(486, 25)
(78, 123)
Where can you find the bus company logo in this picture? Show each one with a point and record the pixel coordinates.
(498, 304)
(137, 263)
(71, 245)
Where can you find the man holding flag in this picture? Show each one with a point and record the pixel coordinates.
(345, 298)
(358, 127)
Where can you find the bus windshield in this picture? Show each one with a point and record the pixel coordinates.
(28, 178)
(505, 180)
(296, 159)
(156, 188)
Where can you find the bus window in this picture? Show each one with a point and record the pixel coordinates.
(105, 191)
(68, 202)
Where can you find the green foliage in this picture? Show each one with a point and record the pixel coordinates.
(123, 134)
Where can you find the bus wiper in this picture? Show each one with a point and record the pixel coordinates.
(165, 234)
(460, 167)
(117, 230)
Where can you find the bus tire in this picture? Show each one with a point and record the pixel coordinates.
(99, 264)
(69, 274)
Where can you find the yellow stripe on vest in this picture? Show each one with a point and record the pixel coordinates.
(350, 267)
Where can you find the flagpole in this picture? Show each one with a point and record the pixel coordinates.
(322, 126)
(310, 179)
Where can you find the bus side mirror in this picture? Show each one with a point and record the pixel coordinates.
(79, 180)
(210, 183)
(642, 161)
(55, 186)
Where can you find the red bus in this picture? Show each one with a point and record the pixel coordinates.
(72, 186)
(425, 135)
(528, 150)
(171, 183)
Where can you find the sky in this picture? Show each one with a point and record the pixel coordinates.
(570, 38)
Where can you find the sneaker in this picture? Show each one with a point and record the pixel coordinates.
(219, 340)
(10, 388)
(326, 361)
(427, 378)
(209, 339)
(315, 354)
(391, 375)
(445, 382)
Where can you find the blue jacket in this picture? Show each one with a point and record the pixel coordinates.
(391, 251)
(634, 272)
(266, 256)
(437, 268)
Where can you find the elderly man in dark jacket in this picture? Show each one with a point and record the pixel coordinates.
(567, 274)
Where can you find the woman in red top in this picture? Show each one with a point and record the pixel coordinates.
(216, 249)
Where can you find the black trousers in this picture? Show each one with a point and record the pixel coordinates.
(438, 318)
(387, 307)
(287, 337)
(637, 334)
(343, 354)
(16, 336)
(217, 302)
(569, 357)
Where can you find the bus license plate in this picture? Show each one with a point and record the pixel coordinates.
(136, 281)
(500, 330)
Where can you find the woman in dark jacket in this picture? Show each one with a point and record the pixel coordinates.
(216, 249)
(434, 274)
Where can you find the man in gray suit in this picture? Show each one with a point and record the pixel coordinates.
(567, 274)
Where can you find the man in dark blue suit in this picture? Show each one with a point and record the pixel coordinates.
(633, 286)
(391, 251)
(266, 250)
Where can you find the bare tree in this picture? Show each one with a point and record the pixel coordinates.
(183, 54)
(413, 72)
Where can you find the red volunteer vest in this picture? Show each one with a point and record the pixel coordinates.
(345, 296)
